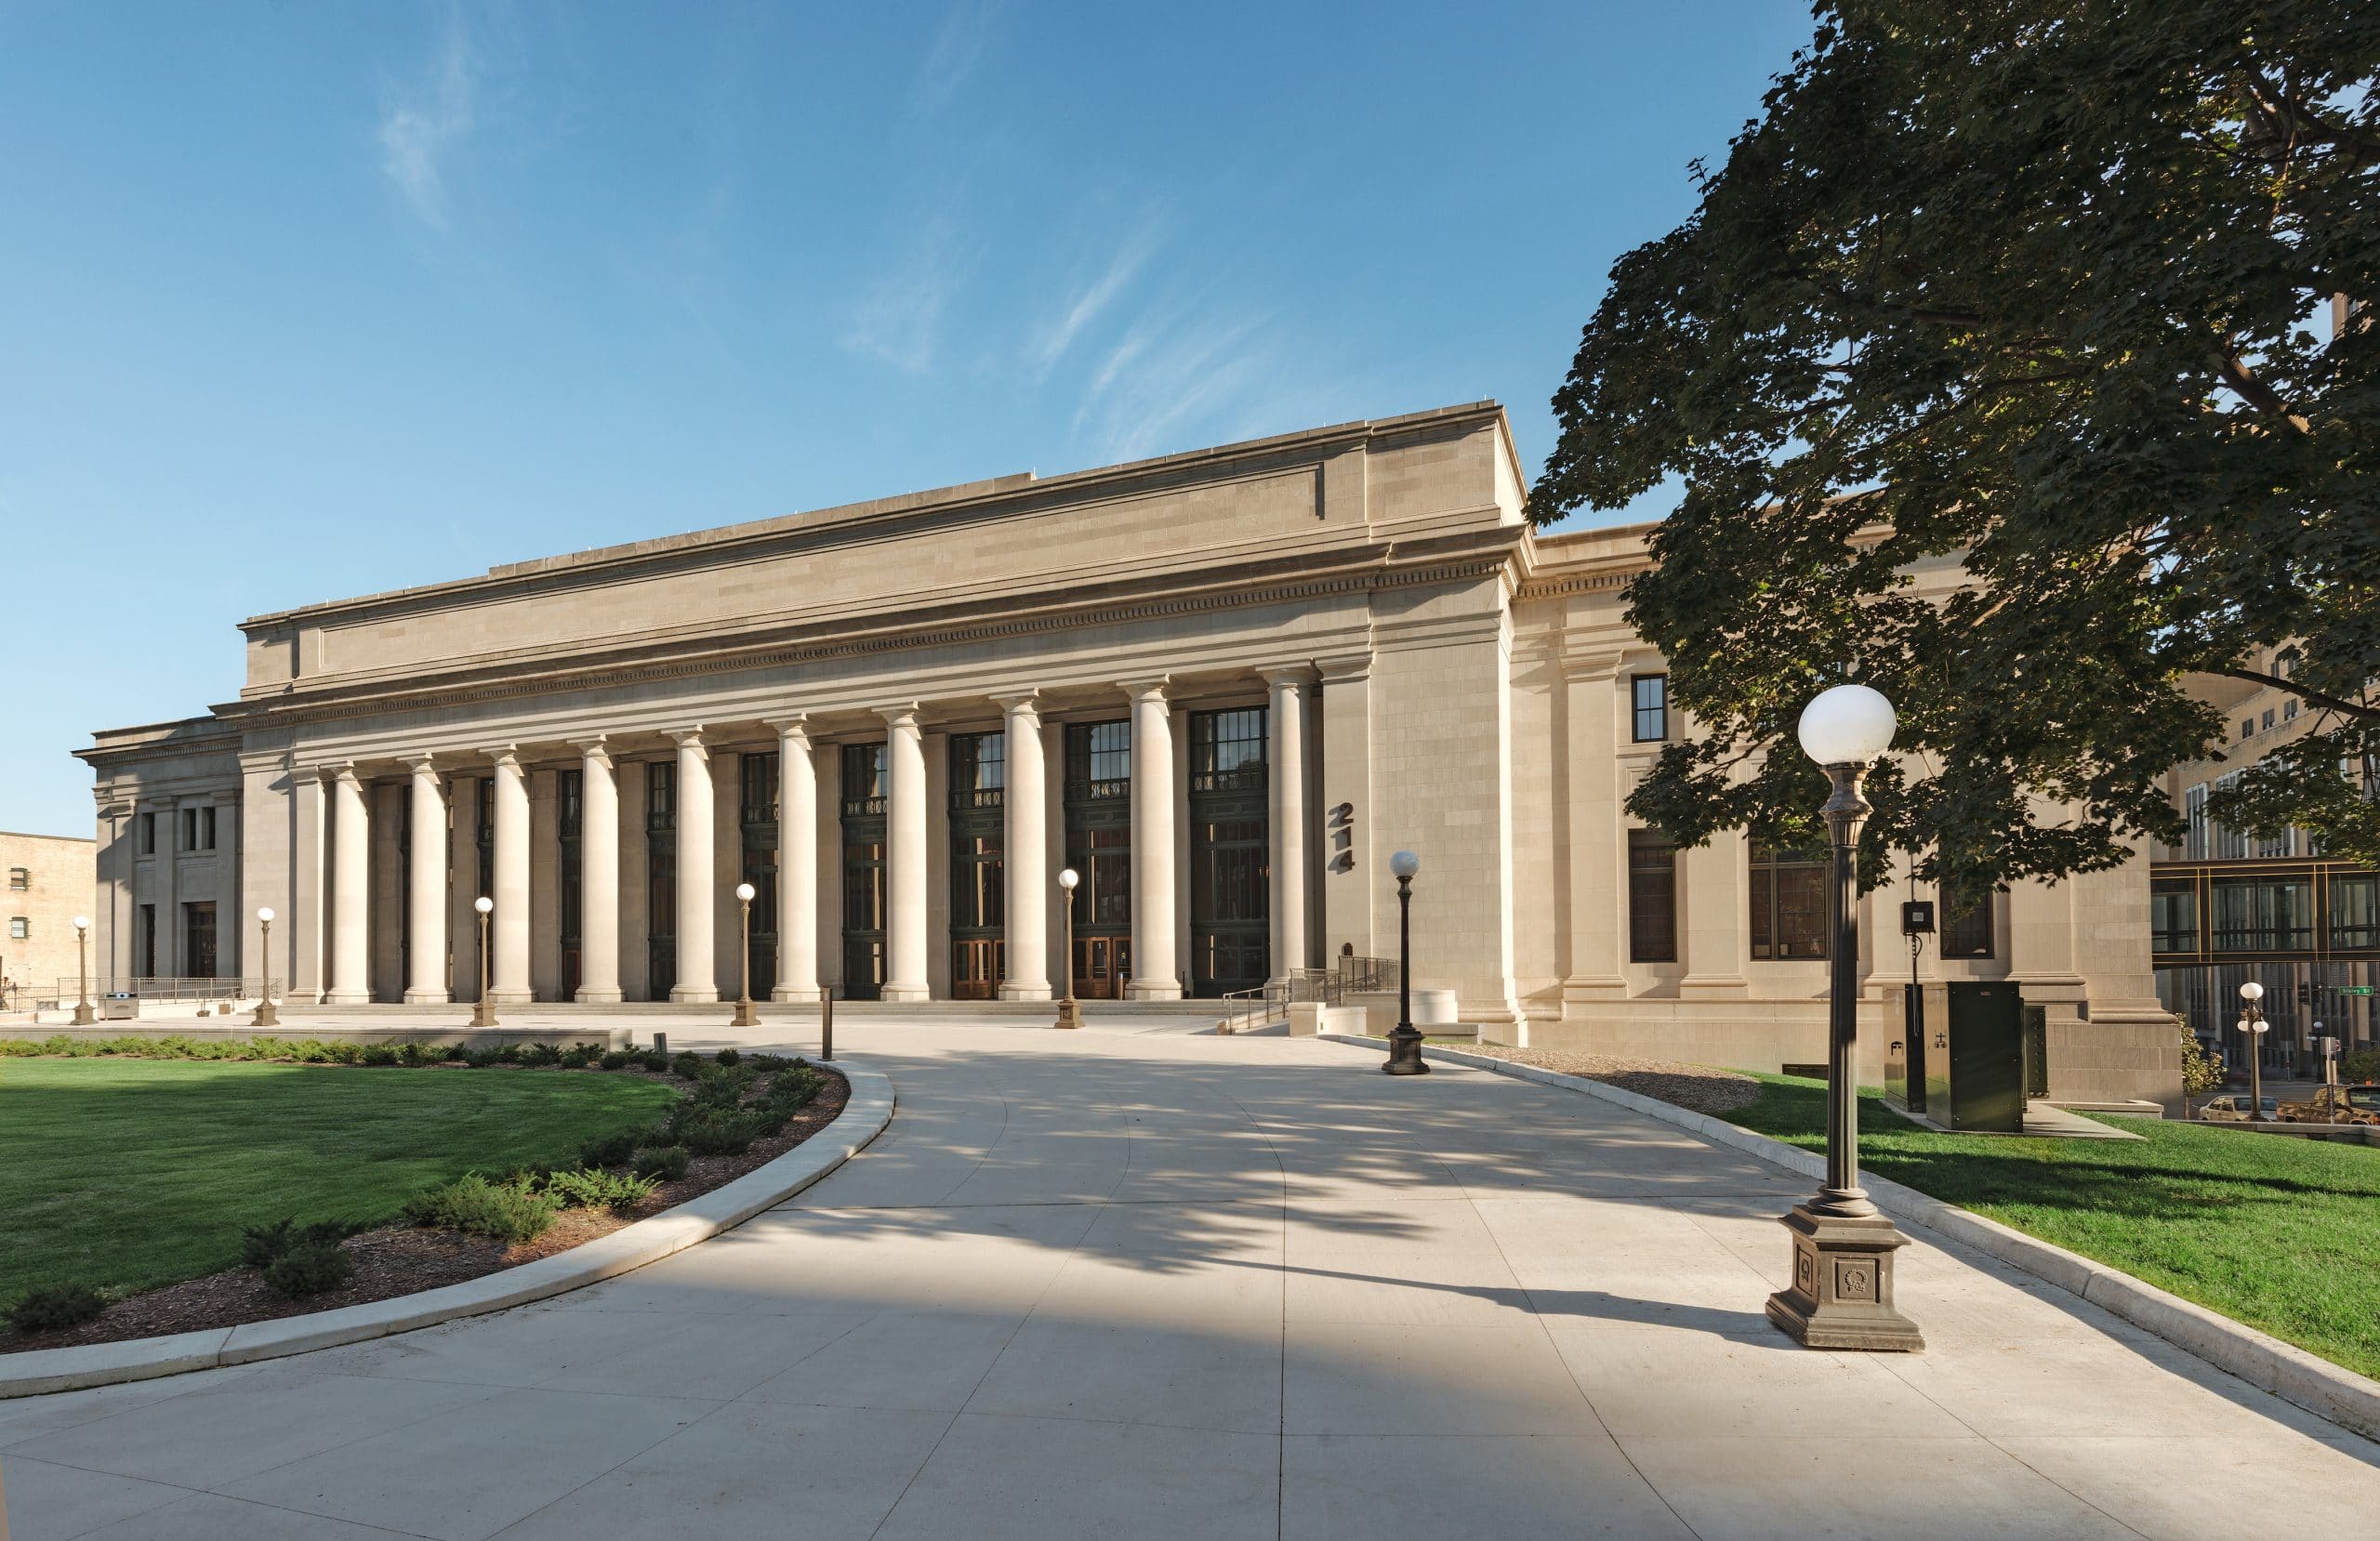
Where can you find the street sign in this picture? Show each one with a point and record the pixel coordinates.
(2355, 989)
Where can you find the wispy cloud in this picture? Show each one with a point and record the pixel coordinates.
(1090, 299)
(959, 46)
(1193, 367)
(422, 127)
(898, 320)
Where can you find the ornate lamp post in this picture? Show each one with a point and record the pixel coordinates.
(1842, 1293)
(1069, 1009)
(744, 1016)
(83, 1014)
(2252, 1027)
(484, 1014)
(266, 1017)
(1405, 1040)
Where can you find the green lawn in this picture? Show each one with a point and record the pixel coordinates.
(2279, 1232)
(134, 1173)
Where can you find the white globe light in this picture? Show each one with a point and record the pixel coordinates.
(483, 904)
(1068, 878)
(265, 915)
(2252, 991)
(1404, 863)
(1847, 725)
(82, 922)
(745, 891)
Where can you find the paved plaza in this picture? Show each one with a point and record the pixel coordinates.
(1133, 1282)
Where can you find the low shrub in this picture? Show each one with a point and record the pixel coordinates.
(612, 1149)
(667, 1163)
(615, 1059)
(56, 1306)
(769, 1064)
(417, 1055)
(656, 1062)
(512, 1210)
(380, 1054)
(727, 1057)
(496, 1054)
(309, 1270)
(261, 1244)
(686, 1064)
(539, 1054)
(717, 1131)
(577, 1057)
(722, 1089)
(600, 1190)
(796, 1088)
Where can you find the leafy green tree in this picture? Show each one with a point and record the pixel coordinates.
(2045, 290)
(2202, 1072)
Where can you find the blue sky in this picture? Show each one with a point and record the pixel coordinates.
(305, 300)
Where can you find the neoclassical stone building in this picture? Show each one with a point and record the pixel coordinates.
(1224, 686)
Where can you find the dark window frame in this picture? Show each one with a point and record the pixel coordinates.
(1648, 719)
(1968, 931)
(1789, 909)
(1652, 897)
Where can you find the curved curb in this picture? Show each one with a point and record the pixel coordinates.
(35, 1371)
(2288, 1372)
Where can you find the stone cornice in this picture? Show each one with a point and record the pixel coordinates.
(1479, 554)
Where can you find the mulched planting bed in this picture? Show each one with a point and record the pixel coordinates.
(403, 1259)
(1698, 1088)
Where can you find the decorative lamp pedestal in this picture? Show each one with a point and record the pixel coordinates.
(1842, 1293)
(1069, 1013)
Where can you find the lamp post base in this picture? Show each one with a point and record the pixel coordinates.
(484, 1013)
(1069, 1013)
(1842, 1293)
(744, 1016)
(1405, 1052)
(266, 1016)
(83, 1015)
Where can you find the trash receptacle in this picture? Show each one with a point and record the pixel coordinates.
(118, 1005)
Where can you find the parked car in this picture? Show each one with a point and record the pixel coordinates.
(2233, 1108)
(2336, 1105)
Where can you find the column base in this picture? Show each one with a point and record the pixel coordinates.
(1026, 992)
(904, 993)
(796, 995)
(426, 997)
(347, 997)
(509, 998)
(598, 997)
(1153, 990)
(1842, 1293)
(1712, 987)
(698, 994)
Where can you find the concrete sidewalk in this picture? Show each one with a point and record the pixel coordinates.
(1128, 1282)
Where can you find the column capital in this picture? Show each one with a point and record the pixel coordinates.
(1590, 663)
(1149, 688)
(689, 740)
(1019, 703)
(504, 756)
(594, 750)
(421, 763)
(901, 715)
(792, 728)
(1346, 669)
(343, 773)
(1289, 674)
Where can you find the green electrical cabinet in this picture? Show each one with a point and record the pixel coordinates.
(1970, 1057)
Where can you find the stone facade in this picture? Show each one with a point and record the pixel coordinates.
(46, 882)
(1263, 668)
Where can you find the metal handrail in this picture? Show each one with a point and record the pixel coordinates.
(170, 987)
(1270, 1002)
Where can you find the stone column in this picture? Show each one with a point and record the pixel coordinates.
(351, 861)
(1286, 813)
(1025, 843)
(797, 863)
(426, 889)
(697, 956)
(904, 856)
(1155, 974)
(508, 926)
(599, 875)
(307, 941)
(1596, 850)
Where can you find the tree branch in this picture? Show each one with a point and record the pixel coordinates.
(2256, 392)
(2313, 698)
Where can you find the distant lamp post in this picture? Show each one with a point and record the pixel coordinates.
(484, 1014)
(1405, 1039)
(83, 1014)
(1842, 1293)
(266, 1016)
(744, 1016)
(2252, 1027)
(1069, 1009)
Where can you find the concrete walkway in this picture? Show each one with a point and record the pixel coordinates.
(1134, 1283)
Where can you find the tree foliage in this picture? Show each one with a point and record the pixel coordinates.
(2043, 289)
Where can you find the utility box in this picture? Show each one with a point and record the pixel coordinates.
(119, 1006)
(1974, 1053)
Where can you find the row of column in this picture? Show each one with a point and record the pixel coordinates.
(1156, 806)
